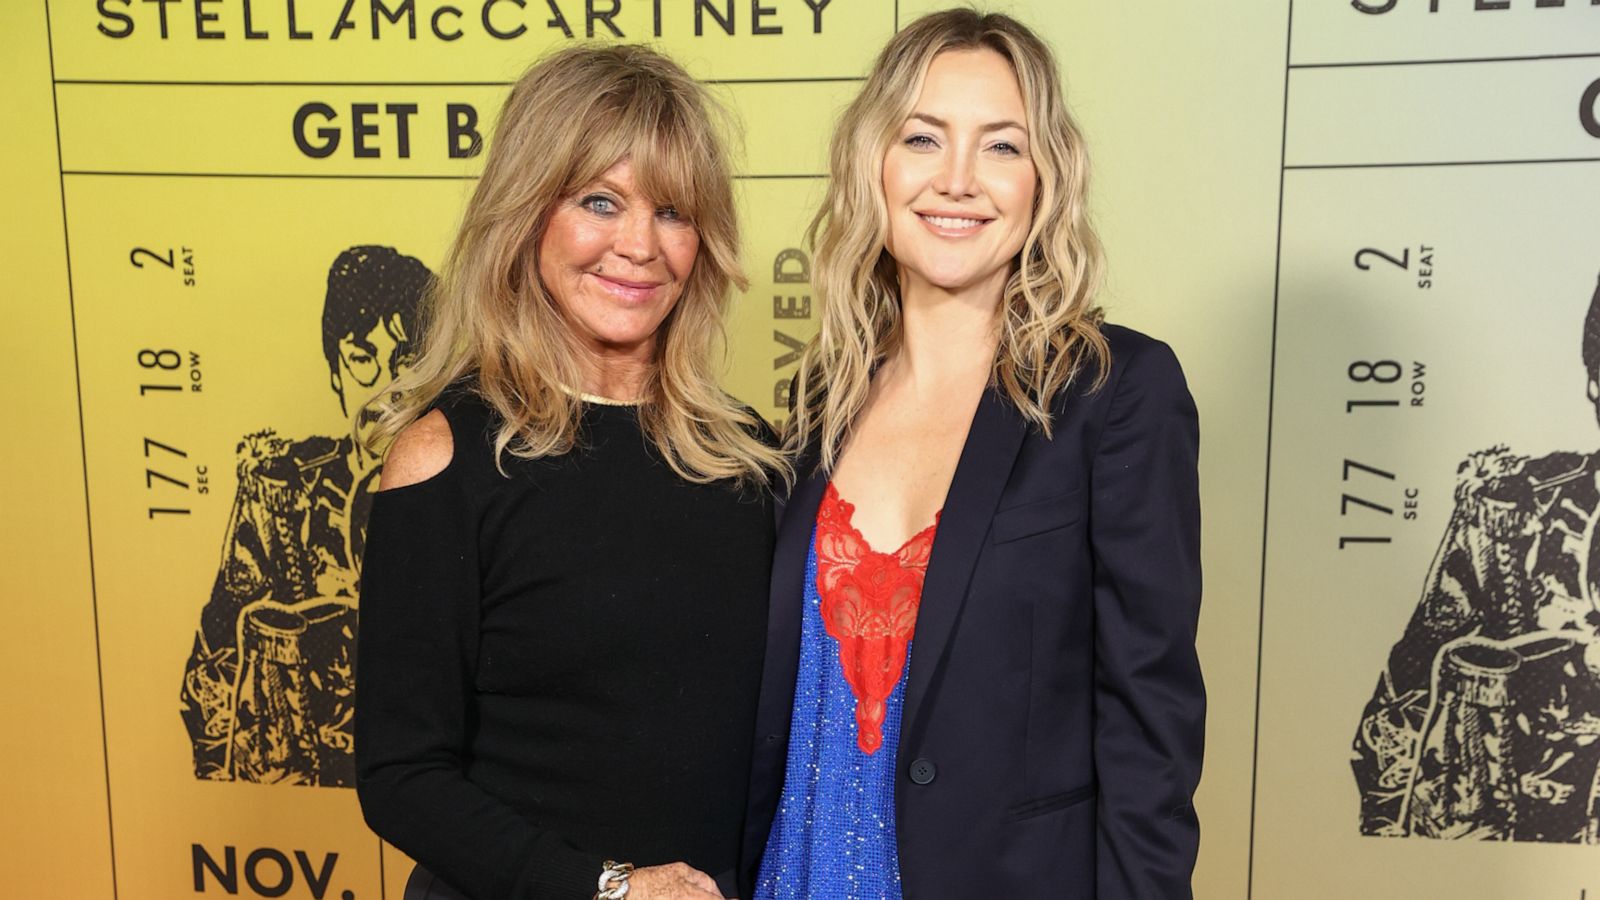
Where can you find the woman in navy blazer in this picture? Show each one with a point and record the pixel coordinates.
(1009, 704)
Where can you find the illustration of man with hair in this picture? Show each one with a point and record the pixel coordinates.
(1486, 722)
(268, 689)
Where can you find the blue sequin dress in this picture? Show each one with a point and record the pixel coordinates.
(833, 837)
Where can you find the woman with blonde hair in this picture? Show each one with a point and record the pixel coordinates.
(562, 612)
(981, 678)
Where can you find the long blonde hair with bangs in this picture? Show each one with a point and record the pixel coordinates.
(1048, 321)
(568, 119)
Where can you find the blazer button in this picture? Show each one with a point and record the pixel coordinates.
(922, 771)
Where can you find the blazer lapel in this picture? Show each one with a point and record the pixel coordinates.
(776, 703)
(992, 443)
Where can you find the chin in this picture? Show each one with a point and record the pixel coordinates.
(628, 335)
(940, 271)
(948, 280)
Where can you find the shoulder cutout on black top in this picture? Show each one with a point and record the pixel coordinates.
(422, 450)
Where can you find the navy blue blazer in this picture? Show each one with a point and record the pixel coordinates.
(1054, 713)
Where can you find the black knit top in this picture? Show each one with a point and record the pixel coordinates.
(560, 666)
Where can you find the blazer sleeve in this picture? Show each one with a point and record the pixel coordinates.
(1149, 718)
(416, 654)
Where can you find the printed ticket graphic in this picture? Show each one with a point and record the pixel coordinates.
(256, 192)
(1430, 674)
(256, 197)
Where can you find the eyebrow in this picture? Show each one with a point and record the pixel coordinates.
(361, 343)
(937, 122)
(607, 184)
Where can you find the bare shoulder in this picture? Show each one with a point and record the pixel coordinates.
(422, 450)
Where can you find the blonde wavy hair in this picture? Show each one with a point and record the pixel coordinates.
(568, 119)
(1048, 321)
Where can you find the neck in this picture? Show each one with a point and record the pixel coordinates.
(946, 335)
(360, 458)
(618, 373)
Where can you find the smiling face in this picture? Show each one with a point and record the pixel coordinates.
(616, 262)
(958, 179)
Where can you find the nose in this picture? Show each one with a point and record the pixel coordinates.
(957, 177)
(636, 238)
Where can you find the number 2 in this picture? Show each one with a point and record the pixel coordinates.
(1404, 262)
(134, 257)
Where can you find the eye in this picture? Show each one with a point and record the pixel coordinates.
(670, 213)
(921, 142)
(1006, 148)
(599, 204)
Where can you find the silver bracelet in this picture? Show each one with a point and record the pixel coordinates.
(613, 884)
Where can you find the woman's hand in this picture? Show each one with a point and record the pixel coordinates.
(673, 881)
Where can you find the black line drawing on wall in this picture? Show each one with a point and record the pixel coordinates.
(1485, 724)
(269, 686)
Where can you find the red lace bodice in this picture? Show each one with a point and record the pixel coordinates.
(869, 605)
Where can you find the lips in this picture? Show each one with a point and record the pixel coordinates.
(951, 224)
(629, 291)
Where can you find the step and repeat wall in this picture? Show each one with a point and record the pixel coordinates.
(1370, 229)
(1430, 678)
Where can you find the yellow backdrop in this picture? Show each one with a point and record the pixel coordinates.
(195, 186)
